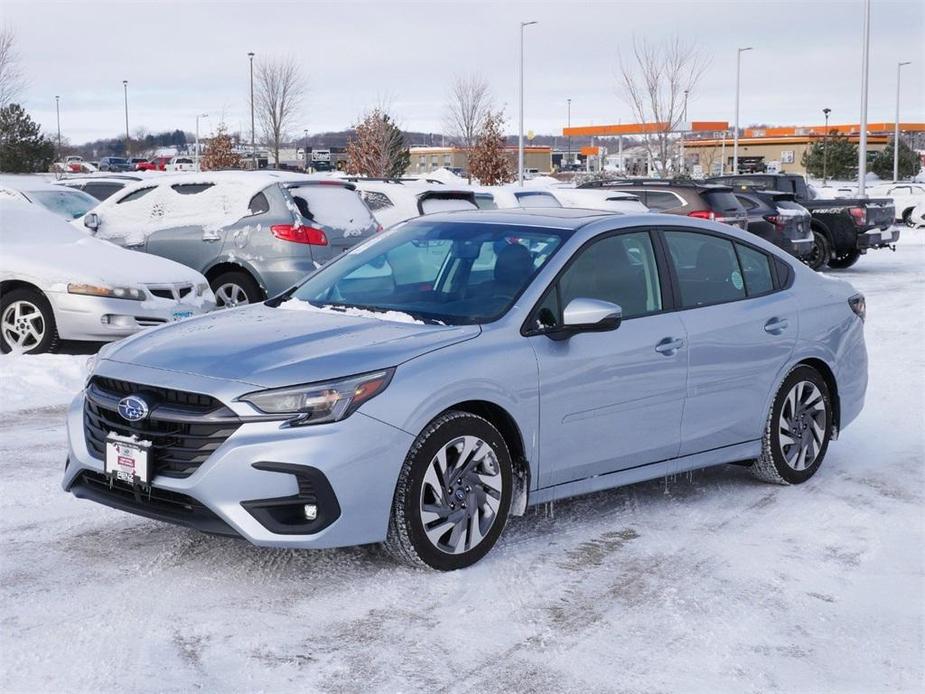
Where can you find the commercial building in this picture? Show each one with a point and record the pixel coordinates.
(427, 159)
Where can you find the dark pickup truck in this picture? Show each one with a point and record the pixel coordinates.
(843, 228)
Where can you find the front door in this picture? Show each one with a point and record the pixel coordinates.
(610, 400)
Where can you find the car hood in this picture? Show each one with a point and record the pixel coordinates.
(272, 347)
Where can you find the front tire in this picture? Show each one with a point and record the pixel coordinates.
(453, 494)
(822, 251)
(798, 429)
(845, 260)
(27, 323)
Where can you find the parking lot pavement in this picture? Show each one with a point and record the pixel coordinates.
(706, 582)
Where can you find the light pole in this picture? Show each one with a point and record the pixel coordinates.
(825, 147)
(198, 116)
(896, 126)
(735, 133)
(862, 145)
(305, 148)
(58, 114)
(569, 159)
(683, 130)
(520, 138)
(125, 89)
(253, 128)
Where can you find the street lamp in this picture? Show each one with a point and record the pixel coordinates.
(305, 148)
(520, 138)
(198, 116)
(896, 126)
(862, 145)
(125, 89)
(253, 128)
(735, 133)
(58, 114)
(569, 159)
(683, 130)
(825, 146)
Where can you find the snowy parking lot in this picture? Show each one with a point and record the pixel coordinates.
(702, 583)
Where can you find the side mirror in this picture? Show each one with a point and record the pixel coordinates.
(588, 316)
(92, 221)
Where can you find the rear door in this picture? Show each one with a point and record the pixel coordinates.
(190, 244)
(741, 331)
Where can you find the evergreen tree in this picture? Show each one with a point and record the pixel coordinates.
(23, 148)
(219, 153)
(378, 148)
(909, 163)
(838, 156)
(488, 160)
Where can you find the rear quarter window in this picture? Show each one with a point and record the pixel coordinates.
(136, 194)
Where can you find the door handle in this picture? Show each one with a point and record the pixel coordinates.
(669, 346)
(776, 326)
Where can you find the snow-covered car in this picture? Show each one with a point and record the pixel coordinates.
(178, 164)
(57, 282)
(916, 218)
(601, 199)
(252, 234)
(64, 202)
(511, 197)
(392, 203)
(906, 197)
(100, 187)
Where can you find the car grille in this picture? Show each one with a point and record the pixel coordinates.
(183, 428)
(172, 292)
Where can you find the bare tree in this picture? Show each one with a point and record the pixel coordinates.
(654, 81)
(279, 91)
(11, 77)
(468, 105)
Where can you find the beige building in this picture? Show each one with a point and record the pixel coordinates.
(427, 159)
(757, 153)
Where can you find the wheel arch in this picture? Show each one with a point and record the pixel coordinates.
(226, 265)
(10, 285)
(505, 423)
(830, 381)
(815, 223)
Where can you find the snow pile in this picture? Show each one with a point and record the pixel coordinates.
(444, 176)
(42, 380)
(391, 316)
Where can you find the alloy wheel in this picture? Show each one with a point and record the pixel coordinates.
(23, 326)
(801, 425)
(229, 295)
(461, 495)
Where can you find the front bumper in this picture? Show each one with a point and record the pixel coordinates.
(102, 319)
(359, 458)
(878, 238)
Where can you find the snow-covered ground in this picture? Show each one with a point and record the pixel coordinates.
(712, 582)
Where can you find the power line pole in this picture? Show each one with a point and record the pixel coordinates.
(127, 140)
(865, 63)
(253, 127)
(896, 126)
(520, 138)
(735, 133)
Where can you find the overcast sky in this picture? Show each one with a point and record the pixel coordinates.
(188, 57)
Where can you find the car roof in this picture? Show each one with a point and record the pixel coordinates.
(659, 183)
(553, 217)
(28, 183)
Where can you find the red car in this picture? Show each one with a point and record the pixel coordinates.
(156, 164)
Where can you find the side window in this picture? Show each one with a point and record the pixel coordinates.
(707, 268)
(485, 201)
(258, 204)
(190, 188)
(135, 194)
(662, 200)
(756, 268)
(620, 269)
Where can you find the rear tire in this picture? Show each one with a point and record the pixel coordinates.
(822, 251)
(845, 260)
(798, 429)
(453, 494)
(235, 288)
(27, 323)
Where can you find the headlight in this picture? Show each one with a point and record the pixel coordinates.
(132, 293)
(317, 403)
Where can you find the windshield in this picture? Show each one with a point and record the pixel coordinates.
(448, 272)
(69, 204)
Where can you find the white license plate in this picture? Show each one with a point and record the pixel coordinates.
(127, 459)
(180, 315)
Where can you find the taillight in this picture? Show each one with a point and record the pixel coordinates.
(300, 234)
(703, 214)
(859, 215)
(775, 219)
(379, 228)
(859, 305)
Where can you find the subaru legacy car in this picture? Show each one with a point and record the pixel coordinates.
(451, 372)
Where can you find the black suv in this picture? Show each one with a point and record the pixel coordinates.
(706, 201)
(779, 219)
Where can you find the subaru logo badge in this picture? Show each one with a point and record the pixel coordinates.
(133, 408)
